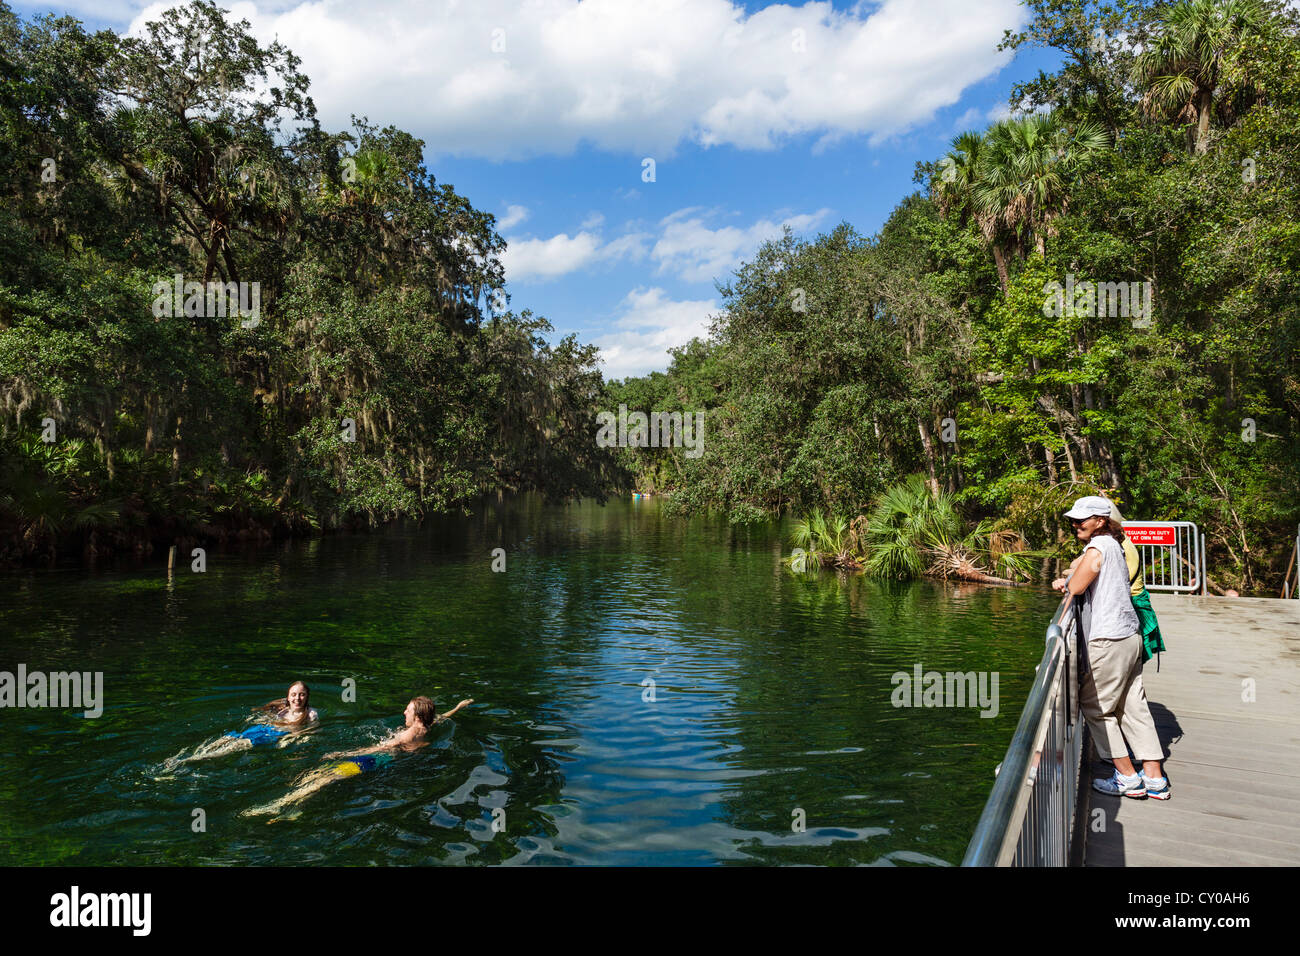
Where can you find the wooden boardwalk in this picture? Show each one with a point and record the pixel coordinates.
(1233, 766)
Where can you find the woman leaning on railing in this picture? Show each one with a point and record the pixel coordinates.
(1111, 695)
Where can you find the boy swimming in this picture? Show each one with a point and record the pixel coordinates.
(421, 716)
(288, 715)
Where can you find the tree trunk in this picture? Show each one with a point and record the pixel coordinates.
(1109, 470)
(176, 450)
(1204, 100)
(176, 438)
(1000, 260)
(1035, 366)
(214, 246)
(1074, 472)
(928, 443)
(1100, 447)
(1085, 446)
(981, 577)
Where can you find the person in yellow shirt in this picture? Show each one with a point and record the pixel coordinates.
(1135, 584)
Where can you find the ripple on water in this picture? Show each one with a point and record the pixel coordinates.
(771, 694)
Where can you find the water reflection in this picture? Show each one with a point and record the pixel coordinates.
(769, 736)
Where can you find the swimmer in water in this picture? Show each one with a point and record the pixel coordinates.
(421, 717)
(294, 708)
(289, 715)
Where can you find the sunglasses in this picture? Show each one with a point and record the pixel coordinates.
(1075, 522)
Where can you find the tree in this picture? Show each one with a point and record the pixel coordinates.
(127, 160)
(1185, 67)
(960, 178)
(1096, 41)
(1026, 172)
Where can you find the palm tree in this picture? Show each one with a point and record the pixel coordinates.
(821, 540)
(912, 533)
(373, 173)
(1026, 170)
(960, 174)
(895, 529)
(42, 513)
(1183, 68)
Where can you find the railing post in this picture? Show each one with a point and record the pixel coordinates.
(1205, 571)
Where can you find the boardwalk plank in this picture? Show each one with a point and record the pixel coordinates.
(1234, 765)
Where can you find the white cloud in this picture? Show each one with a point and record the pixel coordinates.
(970, 119)
(691, 250)
(91, 11)
(525, 259)
(594, 221)
(651, 324)
(544, 259)
(998, 112)
(631, 246)
(641, 77)
(685, 246)
(513, 217)
(978, 119)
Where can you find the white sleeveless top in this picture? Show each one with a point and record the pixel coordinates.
(1108, 609)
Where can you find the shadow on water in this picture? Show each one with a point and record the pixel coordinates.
(649, 690)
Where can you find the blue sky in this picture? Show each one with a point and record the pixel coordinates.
(543, 113)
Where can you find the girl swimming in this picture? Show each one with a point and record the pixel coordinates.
(421, 716)
(294, 707)
(288, 715)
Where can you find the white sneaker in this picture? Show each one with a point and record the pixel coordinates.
(1119, 785)
(1157, 787)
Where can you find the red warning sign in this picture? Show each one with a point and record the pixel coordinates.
(1147, 534)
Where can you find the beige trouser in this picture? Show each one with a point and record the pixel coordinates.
(1114, 702)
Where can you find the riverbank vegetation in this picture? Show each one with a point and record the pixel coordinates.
(1096, 294)
(910, 533)
(1161, 164)
(380, 374)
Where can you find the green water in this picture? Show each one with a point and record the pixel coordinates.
(771, 700)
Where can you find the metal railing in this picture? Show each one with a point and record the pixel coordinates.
(1291, 589)
(1177, 564)
(1029, 819)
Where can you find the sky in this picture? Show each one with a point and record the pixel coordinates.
(636, 152)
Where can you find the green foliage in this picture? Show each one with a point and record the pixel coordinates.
(1191, 66)
(911, 532)
(191, 149)
(823, 541)
(1188, 412)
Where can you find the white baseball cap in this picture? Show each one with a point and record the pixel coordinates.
(1091, 507)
